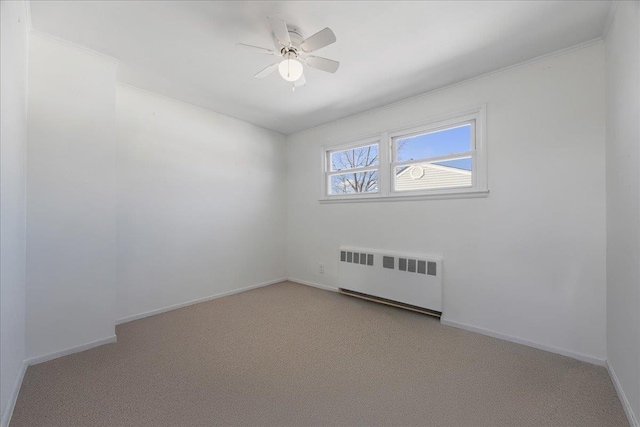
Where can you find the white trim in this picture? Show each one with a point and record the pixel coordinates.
(8, 411)
(74, 46)
(13, 397)
(354, 170)
(560, 351)
(436, 159)
(360, 143)
(476, 115)
(369, 140)
(532, 61)
(195, 301)
(633, 422)
(77, 349)
(464, 193)
(444, 122)
(522, 341)
(607, 23)
(312, 284)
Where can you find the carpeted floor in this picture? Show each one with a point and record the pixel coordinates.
(288, 354)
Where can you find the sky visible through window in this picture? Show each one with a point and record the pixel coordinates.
(440, 143)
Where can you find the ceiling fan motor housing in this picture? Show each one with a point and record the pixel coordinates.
(296, 36)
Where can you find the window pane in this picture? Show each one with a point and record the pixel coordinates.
(465, 163)
(350, 183)
(434, 144)
(359, 157)
(429, 176)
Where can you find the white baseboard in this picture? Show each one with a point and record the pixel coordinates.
(633, 421)
(563, 352)
(68, 351)
(195, 301)
(13, 397)
(8, 412)
(315, 285)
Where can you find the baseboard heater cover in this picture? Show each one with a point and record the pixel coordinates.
(390, 302)
(401, 279)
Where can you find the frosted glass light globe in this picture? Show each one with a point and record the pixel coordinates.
(290, 70)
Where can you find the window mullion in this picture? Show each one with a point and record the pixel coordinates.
(437, 159)
(384, 174)
(356, 170)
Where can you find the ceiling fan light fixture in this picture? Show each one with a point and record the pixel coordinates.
(290, 69)
(294, 51)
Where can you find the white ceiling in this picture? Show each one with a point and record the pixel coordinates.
(388, 50)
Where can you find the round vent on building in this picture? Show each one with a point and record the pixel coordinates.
(416, 172)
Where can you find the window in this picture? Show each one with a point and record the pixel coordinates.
(353, 170)
(443, 157)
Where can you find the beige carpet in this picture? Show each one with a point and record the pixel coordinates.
(293, 355)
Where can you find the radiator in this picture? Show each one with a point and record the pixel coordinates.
(405, 280)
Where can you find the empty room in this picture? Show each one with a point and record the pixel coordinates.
(320, 213)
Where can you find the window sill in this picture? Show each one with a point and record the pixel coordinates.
(406, 198)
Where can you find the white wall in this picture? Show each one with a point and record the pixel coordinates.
(71, 198)
(13, 144)
(528, 261)
(201, 208)
(623, 199)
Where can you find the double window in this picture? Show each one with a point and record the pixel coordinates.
(444, 157)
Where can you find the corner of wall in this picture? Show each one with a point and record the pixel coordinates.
(633, 421)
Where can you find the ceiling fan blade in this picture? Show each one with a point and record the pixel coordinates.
(318, 40)
(300, 82)
(324, 64)
(256, 49)
(280, 30)
(268, 70)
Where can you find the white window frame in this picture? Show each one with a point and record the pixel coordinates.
(328, 173)
(387, 163)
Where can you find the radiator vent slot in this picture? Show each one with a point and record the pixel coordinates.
(422, 267)
(431, 268)
(388, 262)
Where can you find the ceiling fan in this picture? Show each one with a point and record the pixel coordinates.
(295, 49)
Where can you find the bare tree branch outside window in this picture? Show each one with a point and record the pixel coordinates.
(355, 158)
(354, 182)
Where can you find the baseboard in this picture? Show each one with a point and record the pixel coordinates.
(68, 351)
(13, 397)
(195, 301)
(551, 349)
(563, 352)
(633, 421)
(312, 284)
